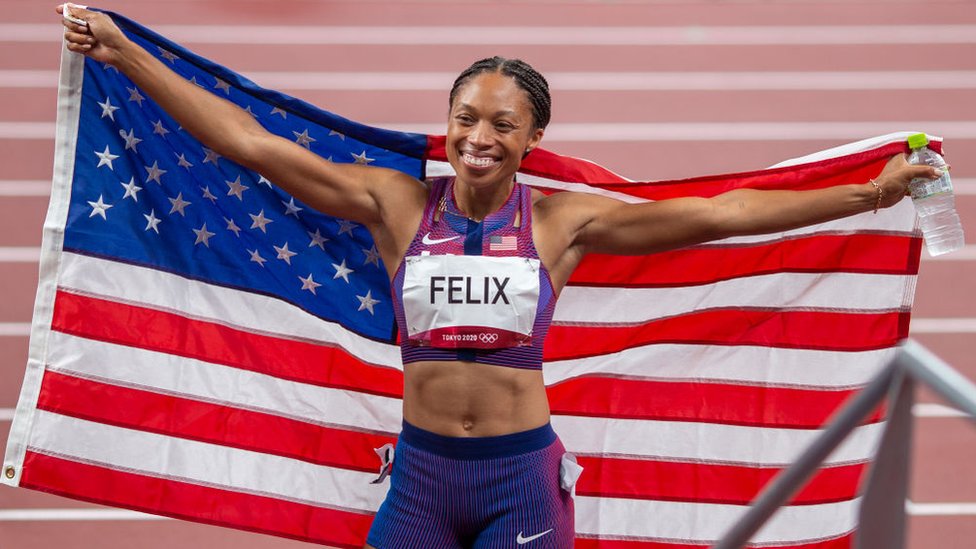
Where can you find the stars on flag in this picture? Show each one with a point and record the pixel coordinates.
(213, 209)
(372, 256)
(178, 205)
(366, 302)
(284, 253)
(203, 236)
(232, 227)
(182, 161)
(236, 188)
(167, 55)
(131, 189)
(152, 222)
(256, 257)
(342, 271)
(159, 130)
(304, 139)
(99, 208)
(135, 96)
(222, 86)
(108, 109)
(154, 172)
(291, 208)
(210, 156)
(317, 239)
(208, 195)
(346, 226)
(130, 140)
(361, 158)
(250, 112)
(105, 158)
(260, 222)
(309, 284)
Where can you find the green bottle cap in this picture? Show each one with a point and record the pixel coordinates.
(918, 140)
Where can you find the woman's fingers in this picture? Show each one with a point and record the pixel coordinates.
(78, 38)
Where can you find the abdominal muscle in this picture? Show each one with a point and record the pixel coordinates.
(466, 399)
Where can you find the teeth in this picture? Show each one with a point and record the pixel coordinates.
(479, 161)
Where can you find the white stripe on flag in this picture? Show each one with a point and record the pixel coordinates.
(861, 293)
(204, 464)
(251, 312)
(766, 366)
(189, 378)
(708, 442)
(679, 521)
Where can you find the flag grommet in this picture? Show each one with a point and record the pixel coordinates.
(10, 472)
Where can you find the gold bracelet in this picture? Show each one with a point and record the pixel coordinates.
(877, 205)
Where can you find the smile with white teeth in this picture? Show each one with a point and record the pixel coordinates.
(477, 161)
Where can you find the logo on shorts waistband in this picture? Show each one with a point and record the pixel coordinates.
(523, 540)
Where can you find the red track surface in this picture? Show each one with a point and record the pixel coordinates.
(945, 448)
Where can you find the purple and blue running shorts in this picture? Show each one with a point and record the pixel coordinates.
(486, 492)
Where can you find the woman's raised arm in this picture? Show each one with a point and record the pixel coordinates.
(345, 190)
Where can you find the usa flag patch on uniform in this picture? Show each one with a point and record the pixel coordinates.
(503, 243)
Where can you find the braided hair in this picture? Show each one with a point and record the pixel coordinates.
(527, 78)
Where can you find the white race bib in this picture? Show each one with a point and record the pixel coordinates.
(462, 301)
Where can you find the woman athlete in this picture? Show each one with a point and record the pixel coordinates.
(476, 263)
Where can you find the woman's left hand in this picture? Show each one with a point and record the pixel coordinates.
(897, 174)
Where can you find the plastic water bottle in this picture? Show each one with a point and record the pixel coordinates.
(934, 201)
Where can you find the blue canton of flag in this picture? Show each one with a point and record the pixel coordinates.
(148, 193)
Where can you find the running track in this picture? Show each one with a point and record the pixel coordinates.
(710, 87)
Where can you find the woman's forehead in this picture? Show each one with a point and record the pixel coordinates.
(494, 92)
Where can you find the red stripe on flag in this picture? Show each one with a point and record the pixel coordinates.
(860, 253)
(698, 401)
(207, 422)
(183, 500)
(170, 333)
(706, 482)
(843, 542)
(829, 331)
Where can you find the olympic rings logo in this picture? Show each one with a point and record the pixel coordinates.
(488, 338)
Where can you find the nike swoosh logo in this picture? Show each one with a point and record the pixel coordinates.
(522, 541)
(431, 241)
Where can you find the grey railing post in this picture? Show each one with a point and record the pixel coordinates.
(881, 521)
(785, 484)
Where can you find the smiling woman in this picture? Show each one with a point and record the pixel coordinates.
(476, 261)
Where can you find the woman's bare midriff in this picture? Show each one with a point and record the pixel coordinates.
(465, 399)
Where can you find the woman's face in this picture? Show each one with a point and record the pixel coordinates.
(489, 130)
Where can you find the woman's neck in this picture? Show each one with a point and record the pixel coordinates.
(479, 203)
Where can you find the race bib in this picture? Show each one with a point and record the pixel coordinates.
(457, 301)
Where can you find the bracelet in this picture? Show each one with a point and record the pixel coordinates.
(877, 205)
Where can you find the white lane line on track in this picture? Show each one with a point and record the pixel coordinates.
(652, 132)
(14, 329)
(22, 188)
(38, 515)
(940, 509)
(936, 411)
(585, 81)
(689, 35)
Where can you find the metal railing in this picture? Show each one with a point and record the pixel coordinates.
(882, 512)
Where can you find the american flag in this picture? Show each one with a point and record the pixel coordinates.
(206, 347)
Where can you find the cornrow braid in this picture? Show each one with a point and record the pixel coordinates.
(525, 77)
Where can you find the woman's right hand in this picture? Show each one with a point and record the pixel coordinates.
(101, 39)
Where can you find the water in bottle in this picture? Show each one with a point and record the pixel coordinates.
(934, 201)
